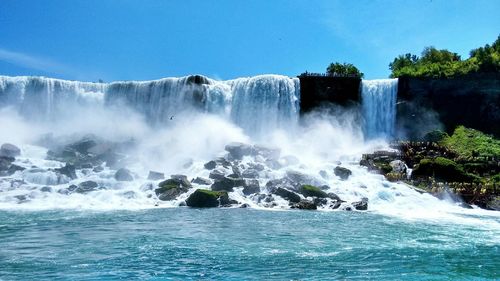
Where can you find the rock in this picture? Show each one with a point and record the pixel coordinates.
(83, 145)
(335, 205)
(250, 173)
(251, 187)
(46, 189)
(266, 198)
(266, 152)
(298, 179)
(5, 162)
(361, 205)
(202, 181)
(210, 165)
(494, 204)
(9, 150)
(227, 184)
(86, 166)
(323, 174)
(272, 185)
(216, 175)
(98, 169)
(68, 170)
(287, 194)
(153, 176)
(237, 150)
(312, 191)
(305, 205)
(14, 168)
(442, 169)
(244, 205)
(85, 187)
(203, 198)
(123, 175)
(256, 166)
(173, 187)
(188, 163)
(320, 201)
(398, 166)
(334, 196)
(342, 173)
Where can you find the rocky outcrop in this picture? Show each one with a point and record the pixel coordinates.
(9, 150)
(342, 173)
(173, 187)
(203, 198)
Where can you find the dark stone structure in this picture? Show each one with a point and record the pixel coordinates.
(317, 91)
(423, 104)
(430, 103)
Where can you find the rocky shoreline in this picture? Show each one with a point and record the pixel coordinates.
(427, 167)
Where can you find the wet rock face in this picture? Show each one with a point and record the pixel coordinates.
(203, 198)
(173, 187)
(202, 181)
(287, 194)
(342, 173)
(361, 205)
(228, 184)
(155, 176)
(238, 150)
(9, 150)
(123, 175)
(68, 170)
(304, 205)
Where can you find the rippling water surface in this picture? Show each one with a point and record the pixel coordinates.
(241, 244)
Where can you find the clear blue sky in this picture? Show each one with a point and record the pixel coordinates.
(139, 40)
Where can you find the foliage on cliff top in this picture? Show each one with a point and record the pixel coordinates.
(469, 142)
(443, 63)
(343, 69)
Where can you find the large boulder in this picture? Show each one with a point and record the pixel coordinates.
(238, 150)
(251, 186)
(9, 150)
(153, 176)
(250, 173)
(68, 170)
(342, 173)
(123, 175)
(172, 188)
(210, 165)
(361, 205)
(266, 152)
(398, 166)
(216, 174)
(202, 181)
(84, 187)
(287, 194)
(203, 198)
(299, 178)
(227, 184)
(312, 191)
(304, 205)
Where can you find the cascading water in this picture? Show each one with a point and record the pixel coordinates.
(379, 107)
(133, 128)
(257, 104)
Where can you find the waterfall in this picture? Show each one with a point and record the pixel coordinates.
(43, 99)
(257, 104)
(379, 107)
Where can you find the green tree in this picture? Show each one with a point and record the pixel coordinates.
(343, 69)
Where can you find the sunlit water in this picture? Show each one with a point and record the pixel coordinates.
(241, 244)
(123, 231)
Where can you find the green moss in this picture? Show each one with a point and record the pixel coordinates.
(496, 178)
(443, 169)
(472, 143)
(312, 191)
(435, 136)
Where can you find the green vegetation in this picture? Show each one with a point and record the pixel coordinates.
(343, 69)
(443, 169)
(472, 143)
(312, 191)
(443, 63)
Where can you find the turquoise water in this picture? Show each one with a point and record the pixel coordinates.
(241, 244)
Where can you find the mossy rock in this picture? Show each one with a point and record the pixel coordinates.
(204, 198)
(435, 136)
(312, 191)
(443, 169)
